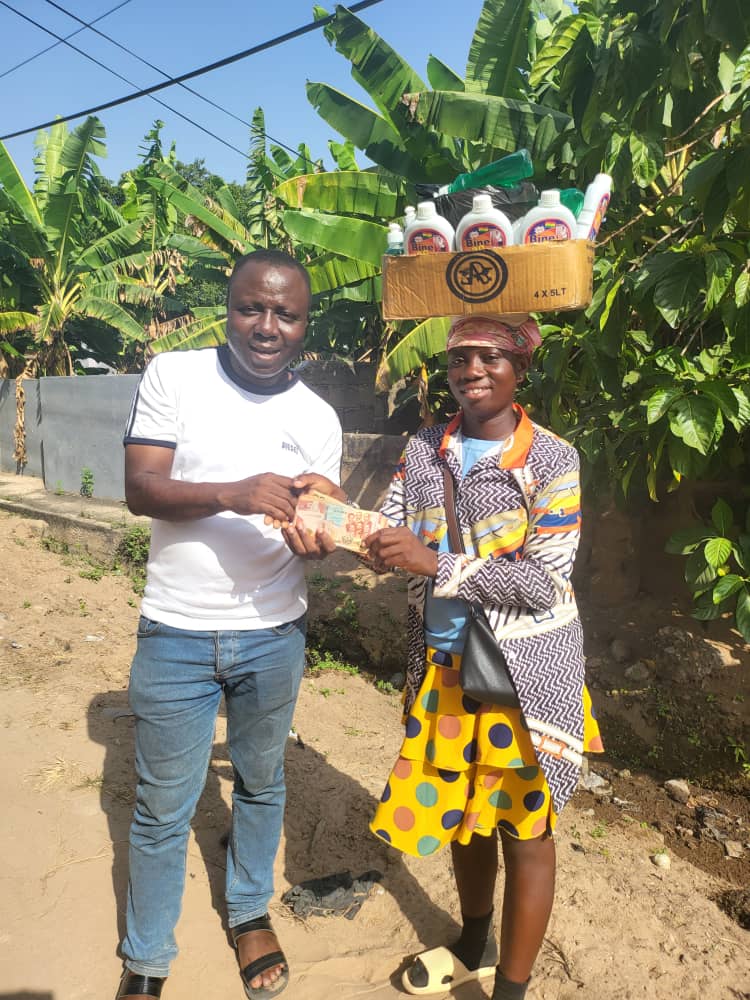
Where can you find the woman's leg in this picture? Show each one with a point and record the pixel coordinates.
(527, 903)
(475, 869)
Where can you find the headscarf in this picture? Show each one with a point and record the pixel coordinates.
(494, 331)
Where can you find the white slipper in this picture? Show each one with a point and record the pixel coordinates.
(445, 971)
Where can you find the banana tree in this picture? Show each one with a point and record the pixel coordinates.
(60, 238)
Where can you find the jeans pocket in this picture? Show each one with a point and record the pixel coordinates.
(147, 627)
(288, 627)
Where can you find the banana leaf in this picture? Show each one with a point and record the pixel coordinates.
(424, 341)
(375, 65)
(108, 248)
(329, 272)
(502, 123)
(14, 185)
(213, 216)
(358, 192)
(205, 331)
(559, 43)
(353, 238)
(369, 131)
(499, 52)
(13, 322)
(442, 77)
(113, 315)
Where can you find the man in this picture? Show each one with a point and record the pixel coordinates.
(219, 444)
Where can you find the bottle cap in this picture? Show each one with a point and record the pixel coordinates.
(482, 203)
(426, 210)
(394, 227)
(410, 210)
(550, 198)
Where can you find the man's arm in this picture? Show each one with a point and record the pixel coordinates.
(150, 490)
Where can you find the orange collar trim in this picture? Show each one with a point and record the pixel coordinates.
(512, 457)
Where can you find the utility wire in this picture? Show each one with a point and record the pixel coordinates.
(114, 72)
(278, 40)
(49, 48)
(184, 86)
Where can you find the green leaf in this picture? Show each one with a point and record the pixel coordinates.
(722, 517)
(647, 155)
(357, 192)
(343, 154)
(742, 614)
(14, 184)
(556, 47)
(659, 402)
(205, 331)
(694, 420)
(14, 322)
(113, 315)
(726, 586)
(686, 540)
(329, 272)
(369, 131)
(728, 401)
(426, 340)
(375, 65)
(442, 77)
(349, 237)
(719, 272)
(717, 551)
(698, 572)
(502, 123)
(499, 51)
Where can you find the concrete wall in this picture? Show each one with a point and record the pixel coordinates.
(83, 422)
(33, 418)
(77, 423)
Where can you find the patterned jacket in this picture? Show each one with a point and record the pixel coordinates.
(519, 515)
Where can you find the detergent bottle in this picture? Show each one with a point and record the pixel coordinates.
(547, 222)
(594, 209)
(484, 227)
(429, 232)
(395, 240)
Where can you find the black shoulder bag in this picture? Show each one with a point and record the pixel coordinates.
(484, 673)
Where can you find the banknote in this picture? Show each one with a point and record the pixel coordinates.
(346, 525)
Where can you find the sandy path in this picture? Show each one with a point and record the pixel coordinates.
(621, 928)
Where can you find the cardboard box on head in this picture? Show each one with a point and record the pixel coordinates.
(543, 277)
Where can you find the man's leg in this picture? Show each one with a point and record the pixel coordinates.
(175, 696)
(261, 689)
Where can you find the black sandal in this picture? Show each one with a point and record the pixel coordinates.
(260, 965)
(133, 984)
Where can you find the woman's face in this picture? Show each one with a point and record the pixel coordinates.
(483, 380)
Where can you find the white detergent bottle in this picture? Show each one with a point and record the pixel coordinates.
(484, 227)
(429, 233)
(549, 222)
(594, 209)
(410, 214)
(395, 240)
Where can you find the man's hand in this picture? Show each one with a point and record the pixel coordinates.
(267, 494)
(314, 481)
(306, 544)
(399, 548)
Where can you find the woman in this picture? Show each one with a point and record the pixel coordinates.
(468, 771)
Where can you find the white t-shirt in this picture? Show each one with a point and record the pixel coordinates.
(227, 571)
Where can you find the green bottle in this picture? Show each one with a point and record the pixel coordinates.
(505, 172)
(572, 198)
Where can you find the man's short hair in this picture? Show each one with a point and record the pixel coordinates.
(276, 258)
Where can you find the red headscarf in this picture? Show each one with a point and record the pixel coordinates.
(494, 331)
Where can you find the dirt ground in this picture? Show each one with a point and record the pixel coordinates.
(622, 927)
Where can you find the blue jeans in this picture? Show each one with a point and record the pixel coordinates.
(176, 683)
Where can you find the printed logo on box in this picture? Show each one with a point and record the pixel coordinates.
(476, 276)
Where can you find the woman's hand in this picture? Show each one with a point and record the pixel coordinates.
(399, 548)
(315, 481)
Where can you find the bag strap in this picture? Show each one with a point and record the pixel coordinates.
(454, 534)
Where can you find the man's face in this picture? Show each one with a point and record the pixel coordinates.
(266, 320)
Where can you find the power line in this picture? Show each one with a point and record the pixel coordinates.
(49, 48)
(184, 86)
(278, 40)
(114, 72)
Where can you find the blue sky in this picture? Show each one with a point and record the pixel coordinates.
(180, 37)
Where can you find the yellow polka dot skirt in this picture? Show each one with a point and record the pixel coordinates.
(465, 768)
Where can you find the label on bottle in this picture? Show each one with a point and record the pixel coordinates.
(482, 236)
(547, 231)
(428, 240)
(599, 214)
